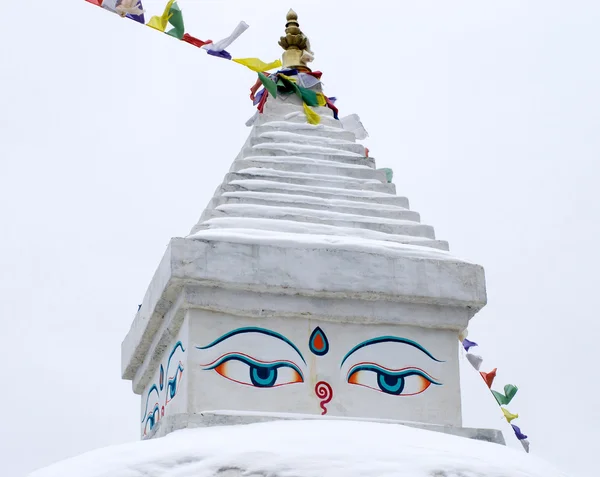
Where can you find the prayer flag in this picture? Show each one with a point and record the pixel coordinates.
(509, 415)
(509, 393)
(308, 96)
(257, 65)
(489, 377)
(160, 22)
(195, 41)
(389, 174)
(176, 21)
(131, 9)
(219, 54)
(525, 444)
(321, 99)
(258, 98)
(468, 344)
(331, 105)
(311, 116)
(225, 42)
(269, 84)
(98, 3)
(475, 360)
(518, 433)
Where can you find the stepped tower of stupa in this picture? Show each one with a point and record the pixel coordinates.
(308, 289)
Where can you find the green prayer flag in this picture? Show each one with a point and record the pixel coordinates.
(389, 174)
(308, 96)
(509, 393)
(269, 84)
(176, 20)
(290, 85)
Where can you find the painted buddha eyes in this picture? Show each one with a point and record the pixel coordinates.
(152, 419)
(400, 382)
(243, 369)
(173, 381)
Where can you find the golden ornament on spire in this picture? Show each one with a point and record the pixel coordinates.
(296, 45)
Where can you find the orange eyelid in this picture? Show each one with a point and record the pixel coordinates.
(297, 377)
(222, 369)
(354, 378)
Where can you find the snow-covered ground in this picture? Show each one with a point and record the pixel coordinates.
(319, 448)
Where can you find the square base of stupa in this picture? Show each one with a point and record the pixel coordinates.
(311, 313)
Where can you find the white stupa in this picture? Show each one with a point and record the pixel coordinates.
(307, 300)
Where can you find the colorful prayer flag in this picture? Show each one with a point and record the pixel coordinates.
(509, 393)
(176, 21)
(219, 54)
(509, 415)
(311, 116)
(131, 9)
(195, 41)
(257, 65)
(98, 3)
(468, 344)
(475, 360)
(160, 22)
(489, 377)
(269, 84)
(518, 433)
(225, 42)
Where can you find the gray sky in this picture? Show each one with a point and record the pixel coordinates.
(114, 138)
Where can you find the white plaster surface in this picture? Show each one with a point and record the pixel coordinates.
(209, 390)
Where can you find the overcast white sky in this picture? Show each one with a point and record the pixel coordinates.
(114, 137)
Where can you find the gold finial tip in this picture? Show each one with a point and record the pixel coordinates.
(292, 16)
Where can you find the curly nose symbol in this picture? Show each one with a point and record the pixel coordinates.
(325, 393)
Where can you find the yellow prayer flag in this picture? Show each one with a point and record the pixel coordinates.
(311, 116)
(160, 23)
(508, 415)
(321, 99)
(257, 65)
(289, 78)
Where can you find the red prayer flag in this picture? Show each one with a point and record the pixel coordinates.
(193, 41)
(255, 89)
(98, 3)
(263, 100)
(489, 377)
(315, 74)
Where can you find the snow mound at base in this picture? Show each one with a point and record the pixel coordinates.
(304, 449)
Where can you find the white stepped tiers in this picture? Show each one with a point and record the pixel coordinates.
(303, 235)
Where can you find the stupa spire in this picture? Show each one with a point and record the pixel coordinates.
(296, 44)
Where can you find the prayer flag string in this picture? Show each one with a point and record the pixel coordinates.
(503, 399)
(281, 82)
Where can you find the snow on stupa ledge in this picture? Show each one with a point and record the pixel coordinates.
(304, 265)
(304, 449)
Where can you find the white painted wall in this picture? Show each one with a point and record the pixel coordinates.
(231, 388)
(170, 397)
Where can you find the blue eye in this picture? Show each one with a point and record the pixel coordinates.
(389, 383)
(402, 382)
(172, 383)
(151, 420)
(263, 376)
(243, 369)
